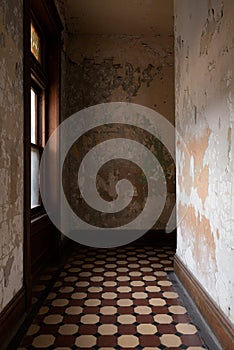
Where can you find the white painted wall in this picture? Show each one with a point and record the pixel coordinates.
(204, 79)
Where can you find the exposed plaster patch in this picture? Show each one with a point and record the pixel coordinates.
(201, 243)
(202, 183)
(197, 147)
(207, 192)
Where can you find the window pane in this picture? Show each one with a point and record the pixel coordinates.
(35, 43)
(35, 178)
(33, 117)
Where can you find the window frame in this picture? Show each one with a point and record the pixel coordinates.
(38, 245)
(38, 145)
(39, 83)
(39, 31)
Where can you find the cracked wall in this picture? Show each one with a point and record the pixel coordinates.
(204, 84)
(110, 68)
(107, 68)
(11, 148)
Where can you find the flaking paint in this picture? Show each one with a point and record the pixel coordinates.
(11, 149)
(204, 77)
(125, 68)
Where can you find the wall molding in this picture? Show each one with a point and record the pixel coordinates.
(216, 319)
(11, 318)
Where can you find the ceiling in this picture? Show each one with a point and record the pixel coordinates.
(130, 17)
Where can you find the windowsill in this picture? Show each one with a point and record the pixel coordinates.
(38, 217)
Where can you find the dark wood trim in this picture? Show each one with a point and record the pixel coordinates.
(11, 318)
(51, 23)
(216, 319)
(16, 310)
(50, 18)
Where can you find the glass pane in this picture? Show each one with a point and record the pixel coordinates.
(33, 117)
(34, 178)
(35, 43)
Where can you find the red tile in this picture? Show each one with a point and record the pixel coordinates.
(93, 295)
(108, 302)
(71, 319)
(75, 302)
(126, 329)
(108, 319)
(49, 329)
(124, 284)
(125, 310)
(149, 340)
(138, 289)
(109, 290)
(123, 329)
(65, 340)
(160, 309)
(141, 302)
(166, 329)
(150, 283)
(91, 310)
(144, 318)
(155, 295)
(58, 310)
(124, 295)
(85, 329)
(107, 340)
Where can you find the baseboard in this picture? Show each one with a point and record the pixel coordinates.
(216, 319)
(11, 317)
(157, 238)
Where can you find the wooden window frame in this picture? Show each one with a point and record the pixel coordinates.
(40, 138)
(40, 84)
(43, 14)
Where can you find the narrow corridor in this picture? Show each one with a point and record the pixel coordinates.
(116, 117)
(118, 298)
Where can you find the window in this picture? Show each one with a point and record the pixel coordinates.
(42, 48)
(37, 143)
(38, 115)
(35, 43)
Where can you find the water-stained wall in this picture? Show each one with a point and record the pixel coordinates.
(122, 68)
(11, 149)
(204, 79)
(106, 68)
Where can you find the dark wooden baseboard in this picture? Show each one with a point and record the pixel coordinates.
(157, 238)
(11, 317)
(216, 319)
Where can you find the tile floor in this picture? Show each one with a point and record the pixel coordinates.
(113, 299)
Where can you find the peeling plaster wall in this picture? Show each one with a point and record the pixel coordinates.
(107, 68)
(204, 79)
(11, 149)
